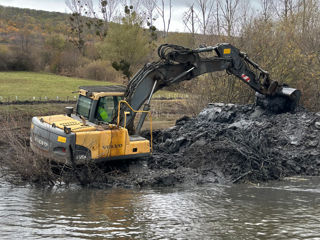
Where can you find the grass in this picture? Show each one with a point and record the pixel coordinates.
(169, 94)
(30, 85)
(35, 110)
(27, 85)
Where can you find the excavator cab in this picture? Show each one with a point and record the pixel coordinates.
(98, 104)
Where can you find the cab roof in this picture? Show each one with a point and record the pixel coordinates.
(96, 92)
(99, 89)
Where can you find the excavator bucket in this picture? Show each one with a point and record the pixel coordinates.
(286, 99)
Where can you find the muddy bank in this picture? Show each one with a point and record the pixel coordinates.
(229, 143)
(225, 143)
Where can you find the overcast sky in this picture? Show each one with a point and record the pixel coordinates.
(179, 7)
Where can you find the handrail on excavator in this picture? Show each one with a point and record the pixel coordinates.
(135, 111)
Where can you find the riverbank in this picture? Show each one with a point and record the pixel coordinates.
(227, 144)
(232, 143)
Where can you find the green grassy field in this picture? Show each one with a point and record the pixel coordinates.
(34, 109)
(26, 85)
(29, 85)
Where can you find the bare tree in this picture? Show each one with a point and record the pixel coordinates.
(285, 8)
(136, 4)
(309, 10)
(166, 20)
(310, 15)
(304, 6)
(287, 5)
(76, 21)
(206, 9)
(217, 17)
(228, 14)
(76, 6)
(189, 20)
(109, 10)
(150, 7)
(266, 9)
(244, 15)
(215, 21)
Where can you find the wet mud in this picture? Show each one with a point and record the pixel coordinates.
(229, 143)
(232, 143)
(225, 143)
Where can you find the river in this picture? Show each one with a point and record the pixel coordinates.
(288, 209)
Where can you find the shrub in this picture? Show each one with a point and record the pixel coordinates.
(21, 62)
(99, 70)
(66, 62)
(13, 59)
(5, 56)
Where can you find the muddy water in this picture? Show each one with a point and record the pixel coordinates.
(278, 210)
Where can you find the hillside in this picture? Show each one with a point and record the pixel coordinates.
(15, 21)
(9, 13)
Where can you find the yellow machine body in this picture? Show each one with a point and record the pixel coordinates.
(75, 140)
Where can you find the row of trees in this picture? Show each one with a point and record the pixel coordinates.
(102, 40)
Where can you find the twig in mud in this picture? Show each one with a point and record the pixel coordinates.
(253, 149)
(242, 176)
(18, 156)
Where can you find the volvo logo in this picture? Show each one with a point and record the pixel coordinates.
(41, 142)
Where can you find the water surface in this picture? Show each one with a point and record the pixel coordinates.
(278, 210)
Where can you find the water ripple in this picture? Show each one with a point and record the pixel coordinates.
(278, 210)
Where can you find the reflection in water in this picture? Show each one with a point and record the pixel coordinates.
(278, 210)
(87, 213)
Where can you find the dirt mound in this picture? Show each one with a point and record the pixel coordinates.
(232, 143)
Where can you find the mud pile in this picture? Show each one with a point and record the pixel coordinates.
(232, 143)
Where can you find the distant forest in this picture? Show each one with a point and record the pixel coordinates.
(111, 44)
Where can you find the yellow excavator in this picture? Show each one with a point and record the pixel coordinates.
(102, 126)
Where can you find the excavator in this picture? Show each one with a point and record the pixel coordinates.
(102, 127)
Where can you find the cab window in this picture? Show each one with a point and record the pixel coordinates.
(106, 108)
(84, 106)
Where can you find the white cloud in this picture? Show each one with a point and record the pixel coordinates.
(46, 5)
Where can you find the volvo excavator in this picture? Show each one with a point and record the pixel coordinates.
(102, 127)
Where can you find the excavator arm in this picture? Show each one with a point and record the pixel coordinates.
(179, 64)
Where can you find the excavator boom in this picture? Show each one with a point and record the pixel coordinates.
(179, 64)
